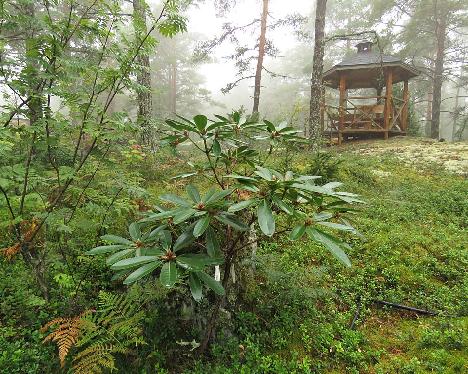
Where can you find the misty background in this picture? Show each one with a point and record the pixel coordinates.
(188, 79)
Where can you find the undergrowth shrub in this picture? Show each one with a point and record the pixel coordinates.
(324, 164)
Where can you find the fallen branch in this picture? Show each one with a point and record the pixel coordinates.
(356, 314)
(405, 307)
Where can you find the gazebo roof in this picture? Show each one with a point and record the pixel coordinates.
(367, 58)
(365, 69)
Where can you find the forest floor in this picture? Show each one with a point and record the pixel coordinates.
(296, 309)
(453, 157)
(414, 253)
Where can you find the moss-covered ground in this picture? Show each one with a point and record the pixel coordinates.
(413, 252)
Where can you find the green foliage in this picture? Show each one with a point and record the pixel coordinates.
(437, 346)
(22, 351)
(72, 179)
(22, 311)
(183, 238)
(299, 304)
(324, 164)
(294, 310)
(56, 161)
(96, 336)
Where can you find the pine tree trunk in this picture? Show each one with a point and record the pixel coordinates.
(428, 114)
(173, 88)
(316, 81)
(261, 55)
(456, 114)
(145, 105)
(35, 95)
(440, 32)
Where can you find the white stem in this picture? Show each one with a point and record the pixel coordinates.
(217, 273)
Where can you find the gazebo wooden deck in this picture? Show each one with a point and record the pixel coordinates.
(358, 116)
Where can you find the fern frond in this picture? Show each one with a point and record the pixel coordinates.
(96, 357)
(10, 252)
(66, 334)
(27, 231)
(97, 337)
(128, 327)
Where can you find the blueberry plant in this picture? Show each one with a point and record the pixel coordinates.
(183, 239)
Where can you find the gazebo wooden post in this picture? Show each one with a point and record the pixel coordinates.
(342, 107)
(404, 113)
(388, 102)
(379, 94)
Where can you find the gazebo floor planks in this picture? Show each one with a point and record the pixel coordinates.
(361, 134)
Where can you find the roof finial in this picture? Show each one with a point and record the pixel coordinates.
(365, 46)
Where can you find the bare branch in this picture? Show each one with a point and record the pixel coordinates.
(230, 86)
(8, 203)
(273, 74)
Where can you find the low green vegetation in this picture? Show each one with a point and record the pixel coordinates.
(413, 253)
(294, 302)
(137, 236)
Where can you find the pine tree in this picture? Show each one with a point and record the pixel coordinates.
(316, 86)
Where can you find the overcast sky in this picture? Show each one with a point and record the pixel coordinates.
(203, 20)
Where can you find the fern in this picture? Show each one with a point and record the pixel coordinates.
(27, 231)
(11, 252)
(67, 333)
(97, 357)
(97, 337)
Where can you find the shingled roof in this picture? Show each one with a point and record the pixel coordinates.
(367, 58)
(364, 69)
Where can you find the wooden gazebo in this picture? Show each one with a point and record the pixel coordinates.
(363, 115)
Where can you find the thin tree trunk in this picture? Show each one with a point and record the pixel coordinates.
(441, 27)
(456, 114)
(211, 324)
(145, 105)
(261, 55)
(456, 109)
(316, 81)
(173, 88)
(35, 114)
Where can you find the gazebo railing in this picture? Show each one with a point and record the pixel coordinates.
(366, 117)
(330, 119)
(398, 106)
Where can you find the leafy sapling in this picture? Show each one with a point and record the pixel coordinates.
(190, 234)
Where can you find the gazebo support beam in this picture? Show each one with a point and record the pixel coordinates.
(388, 102)
(342, 107)
(404, 113)
(379, 94)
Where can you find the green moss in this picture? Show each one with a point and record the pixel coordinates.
(413, 253)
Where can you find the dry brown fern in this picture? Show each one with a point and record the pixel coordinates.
(67, 333)
(112, 329)
(10, 252)
(27, 230)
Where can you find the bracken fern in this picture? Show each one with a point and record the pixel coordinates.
(67, 333)
(96, 337)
